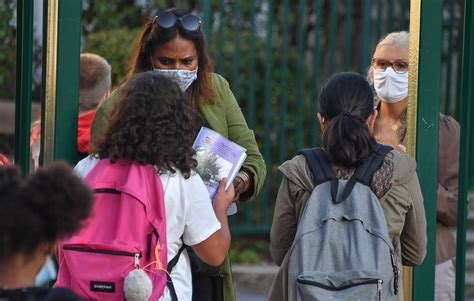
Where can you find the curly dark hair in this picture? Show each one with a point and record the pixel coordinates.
(152, 123)
(50, 204)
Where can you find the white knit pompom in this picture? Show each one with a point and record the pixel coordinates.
(137, 286)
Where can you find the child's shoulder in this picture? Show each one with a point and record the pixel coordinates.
(192, 184)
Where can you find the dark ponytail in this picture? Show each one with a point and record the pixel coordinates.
(346, 102)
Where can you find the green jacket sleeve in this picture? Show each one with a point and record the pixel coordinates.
(225, 117)
(102, 114)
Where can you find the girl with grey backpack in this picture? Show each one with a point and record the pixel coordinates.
(349, 214)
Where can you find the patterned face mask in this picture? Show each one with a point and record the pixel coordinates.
(184, 78)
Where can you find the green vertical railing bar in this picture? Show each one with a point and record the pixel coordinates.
(458, 86)
(67, 91)
(249, 213)
(389, 19)
(253, 69)
(284, 81)
(300, 76)
(207, 22)
(400, 16)
(467, 104)
(348, 25)
(366, 32)
(471, 168)
(404, 13)
(267, 98)
(24, 73)
(315, 78)
(236, 67)
(332, 36)
(449, 81)
(429, 81)
(220, 45)
(380, 18)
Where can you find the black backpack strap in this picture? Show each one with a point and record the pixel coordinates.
(366, 171)
(365, 176)
(169, 268)
(321, 169)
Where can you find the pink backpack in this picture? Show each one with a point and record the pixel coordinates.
(126, 231)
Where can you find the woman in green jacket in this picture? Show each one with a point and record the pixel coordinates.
(174, 45)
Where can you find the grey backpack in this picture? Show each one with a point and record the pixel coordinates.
(341, 249)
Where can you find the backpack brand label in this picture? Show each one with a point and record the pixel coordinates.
(104, 287)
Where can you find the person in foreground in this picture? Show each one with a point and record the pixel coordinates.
(389, 76)
(154, 126)
(346, 116)
(50, 204)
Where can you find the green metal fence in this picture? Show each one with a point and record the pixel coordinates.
(275, 55)
(24, 47)
(466, 110)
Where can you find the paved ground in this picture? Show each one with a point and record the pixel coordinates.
(252, 282)
(249, 296)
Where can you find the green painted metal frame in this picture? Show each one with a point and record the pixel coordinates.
(66, 106)
(283, 122)
(467, 104)
(24, 78)
(315, 75)
(348, 31)
(447, 104)
(429, 78)
(332, 19)
(367, 30)
(251, 105)
(207, 19)
(267, 121)
(300, 73)
(251, 118)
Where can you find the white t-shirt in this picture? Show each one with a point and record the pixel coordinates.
(189, 214)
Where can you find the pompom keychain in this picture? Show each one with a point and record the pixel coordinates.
(137, 284)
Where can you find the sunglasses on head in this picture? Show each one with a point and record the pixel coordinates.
(168, 19)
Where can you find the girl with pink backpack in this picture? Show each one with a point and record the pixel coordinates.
(149, 202)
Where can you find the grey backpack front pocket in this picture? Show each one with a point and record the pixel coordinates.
(347, 285)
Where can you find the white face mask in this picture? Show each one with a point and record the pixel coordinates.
(390, 86)
(184, 78)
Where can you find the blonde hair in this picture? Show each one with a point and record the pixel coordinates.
(399, 38)
(95, 80)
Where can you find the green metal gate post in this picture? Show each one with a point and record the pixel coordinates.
(207, 20)
(467, 103)
(24, 67)
(365, 43)
(61, 78)
(426, 24)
